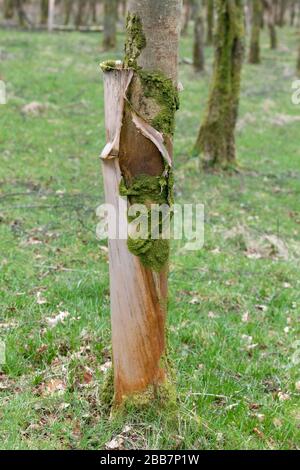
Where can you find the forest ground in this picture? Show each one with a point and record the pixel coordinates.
(234, 305)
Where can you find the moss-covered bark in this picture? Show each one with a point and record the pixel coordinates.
(110, 24)
(254, 54)
(216, 139)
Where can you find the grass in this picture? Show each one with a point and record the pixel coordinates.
(233, 310)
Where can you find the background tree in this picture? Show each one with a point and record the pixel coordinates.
(216, 139)
(110, 24)
(44, 11)
(8, 9)
(270, 12)
(210, 21)
(143, 144)
(198, 51)
(254, 54)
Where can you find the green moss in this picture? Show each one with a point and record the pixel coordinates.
(148, 190)
(135, 40)
(162, 90)
(110, 65)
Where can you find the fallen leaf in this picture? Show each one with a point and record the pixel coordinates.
(282, 396)
(34, 108)
(52, 322)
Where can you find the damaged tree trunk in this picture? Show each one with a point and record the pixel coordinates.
(216, 139)
(141, 99)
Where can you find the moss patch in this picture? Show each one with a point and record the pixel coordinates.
(147, 190)
(135, 40)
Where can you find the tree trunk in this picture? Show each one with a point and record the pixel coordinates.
(110, 24)
(199, 59)
(8, 9)
(44, 11)
(254, 55)
(216, 139)
(187, 17)
(51, 14)
(79, 20)
(210, 22)
(271, 19)
(298, 61)
(140, 104)
(281, 12)
(68, 7)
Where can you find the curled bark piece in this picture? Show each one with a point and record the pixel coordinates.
(116, 88)
(153, 135)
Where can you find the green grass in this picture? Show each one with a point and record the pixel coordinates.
(229, 394)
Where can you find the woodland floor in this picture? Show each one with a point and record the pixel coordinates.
(234, 305)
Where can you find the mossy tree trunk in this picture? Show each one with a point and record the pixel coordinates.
(210, 21)
(139, 153)
(216, 139)
(110, 24)
(254, 54)
(198, 52)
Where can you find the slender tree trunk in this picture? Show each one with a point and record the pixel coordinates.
(292, 12)
(216, 139)
(298, 61)
(199, 59)
(210, 22)
(187, 17)
(271, 19)
(68, 7)
(44, 11)
(110, 24)
(254, 55)
(282, 11)
(51, 14)
(79, 20)
(8, 9)
(139, 150)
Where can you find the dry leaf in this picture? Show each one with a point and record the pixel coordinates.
(283, 396)
(34, 108)
(39, 299)
(105, 367)
(52, 322)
